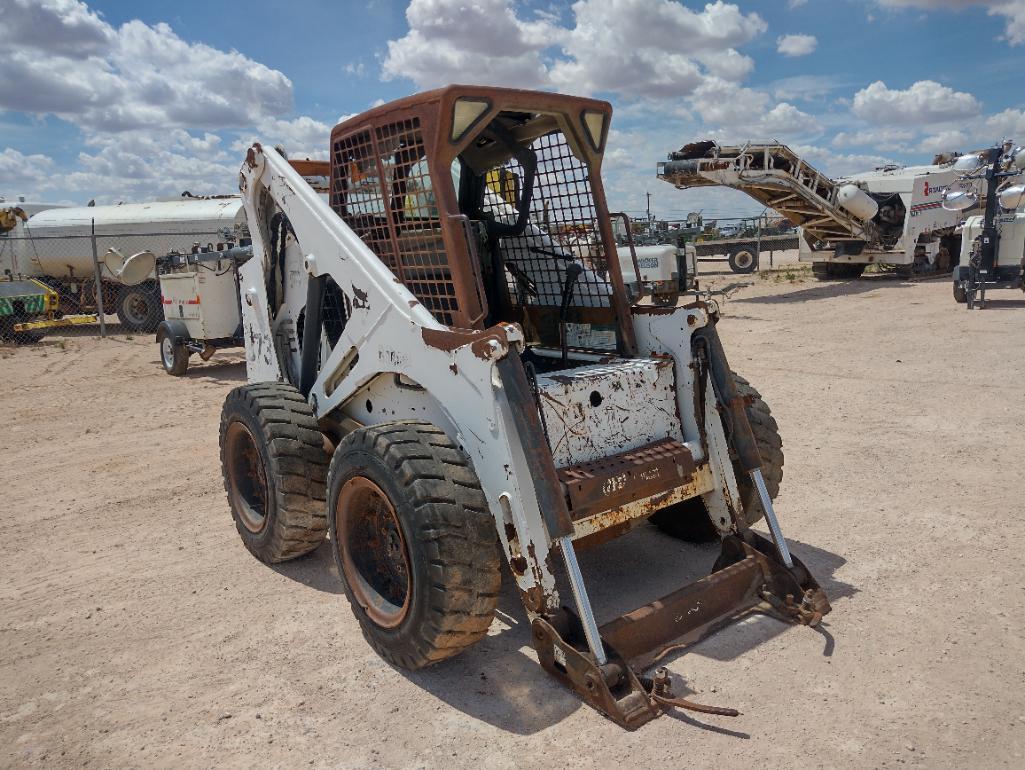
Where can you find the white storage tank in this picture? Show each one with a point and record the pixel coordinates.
(160, 227)
(857, 201)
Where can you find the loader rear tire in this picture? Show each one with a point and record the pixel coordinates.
(274, 467)
(414, 542)
(689, 519)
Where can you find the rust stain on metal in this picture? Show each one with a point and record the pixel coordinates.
(251, 154)
(482, 343)
(601, 485)
(749, 578)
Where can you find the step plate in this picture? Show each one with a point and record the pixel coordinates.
(610, 482)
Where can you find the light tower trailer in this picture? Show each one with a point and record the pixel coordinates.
(199, 292)
(992, 244)
(413, 389)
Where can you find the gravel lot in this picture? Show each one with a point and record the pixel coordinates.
(136, 630)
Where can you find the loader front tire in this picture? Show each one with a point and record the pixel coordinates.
(414, 542)
(274, 467)
(689, 519)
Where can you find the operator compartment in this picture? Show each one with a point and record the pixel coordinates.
(488, 205)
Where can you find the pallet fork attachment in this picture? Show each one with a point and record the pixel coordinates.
(747, 577)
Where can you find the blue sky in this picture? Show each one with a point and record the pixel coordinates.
(128, 101)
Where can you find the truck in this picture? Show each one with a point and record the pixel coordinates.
(55, 246)
(743, 251)
(890, 216)
(443, 376)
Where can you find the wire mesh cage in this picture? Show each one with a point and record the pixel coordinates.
(565, 228)
(382, 189)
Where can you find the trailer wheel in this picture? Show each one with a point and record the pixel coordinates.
(139, 308)
(689, 519)
(8, 334)
(274, 467)
(414, 542)
(960, 295)
(173, 354)
(743, 260)
(835, 271)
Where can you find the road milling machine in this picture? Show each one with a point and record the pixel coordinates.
(446, 370)
(890, 216)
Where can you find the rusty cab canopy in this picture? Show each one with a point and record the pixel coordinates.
(481, 200)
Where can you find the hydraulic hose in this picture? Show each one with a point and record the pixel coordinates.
(707, 340)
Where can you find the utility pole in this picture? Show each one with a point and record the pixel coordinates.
(648, 195)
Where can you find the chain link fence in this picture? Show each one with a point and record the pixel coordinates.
(82, 283)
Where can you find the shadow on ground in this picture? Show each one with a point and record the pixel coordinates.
(499, 681)
(215, 371)
(824, 290)
(1002, 304)
(317, 570)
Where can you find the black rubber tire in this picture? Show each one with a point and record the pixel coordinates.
(836, 271)
(449, 532)
(294, 464)
(8, 334)
(689, 520)
(178, 362)
(960, 295)
(139, 308)
(737, 257)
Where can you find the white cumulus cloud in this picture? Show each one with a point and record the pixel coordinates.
(796, 45)
(642, 48)
(58, 57)
(926, 101)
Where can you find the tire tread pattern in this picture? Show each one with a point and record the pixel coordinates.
(282, 420)
(688, 520)
(454, 529)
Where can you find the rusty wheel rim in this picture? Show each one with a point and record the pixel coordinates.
(136, 308)
(247, 478)
(373, 551)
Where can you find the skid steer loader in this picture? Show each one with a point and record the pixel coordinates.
(444, 369)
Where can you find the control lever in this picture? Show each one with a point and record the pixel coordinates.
(573, 271)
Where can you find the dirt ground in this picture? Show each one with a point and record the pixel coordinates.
(136, 630)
